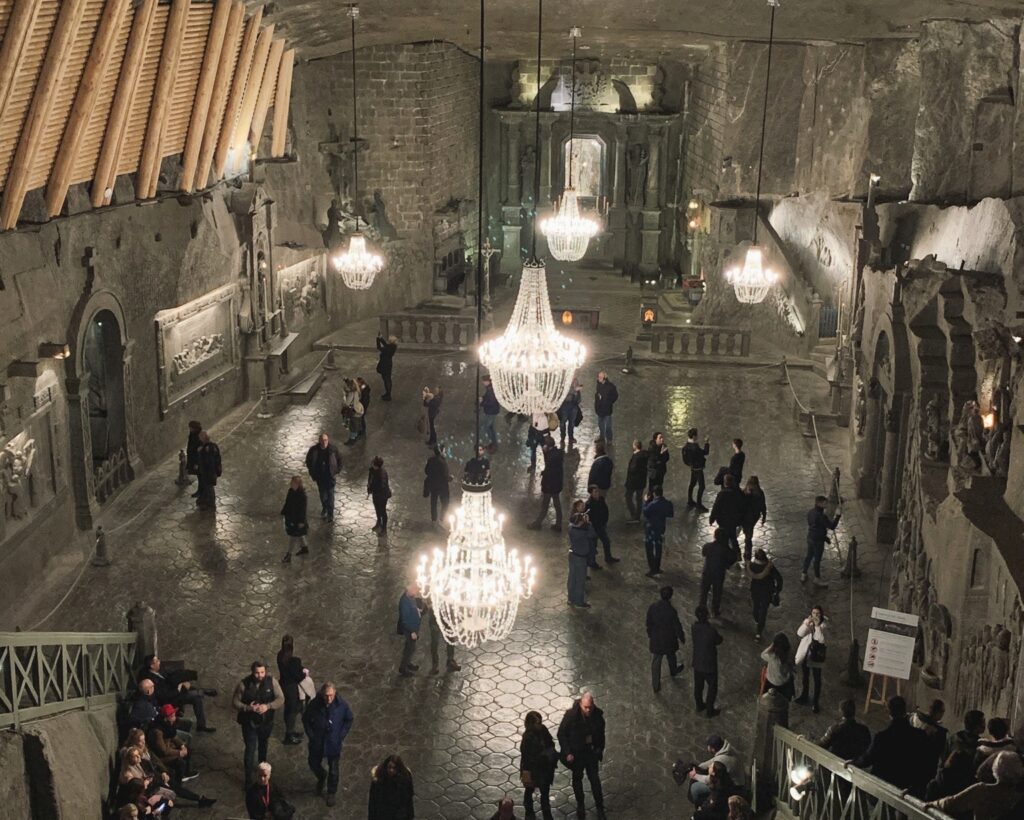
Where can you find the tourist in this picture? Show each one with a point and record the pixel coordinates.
(491, 409)
(704, 639)
(432, 400)
(552, 480)
(1001, 800)
(364, 399)
(848, 738)
(605, 396)
(386, 362)
(664, 635)
(327, 720)
(535, 437)
(597, 512)
(192, 451)
(998, 740)
(132, 768)
(657, 511)
(264, 800)
(779, 671)
(810, 654)
(722, 754)
(506, 809)
(695, 456)
(290, 673)
(636, 480)
(581, 539)
(209, 465)
(898, 753)
(143, 707)
(581, 745)
(537, 763)
(930, 723)
(429, 614)
(765, 589)
(409, 620)
(739, 809)
(172, 752)
(435, 485)
(754, 509)
(958, 769)
(818, 526)
(718, 557)
(351, 410)
(736, 461)
(570, 414)
(134, 795)
(379, 489)
(323, 462)
(391, 791)
(256, 698)
(720, 786)
(295, 524)
(178, 688)
(601, 469)
(727, 512)
(478, 468)
(657, 461)
(173, 777)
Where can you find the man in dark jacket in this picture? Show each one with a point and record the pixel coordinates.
(600, 473)
(727, 511)
(737, 460)
(696, 458)
(177, 688)
(491, 409)
(899, 753)
(636, 480)
(958, 769)
(209, 466)
(323, 461)
(818, 526)
(718, 557)
(256, 698)
(848, 738)
(192, 451)
(581, 744)
(705, 640)
(657, 511)
(657, 461)
(144, 707)
(478, 468)
(552, 480)
(605, 396)
(327, 720)
(386, 362)
(597, 511)
(665, 633)
(409, 620)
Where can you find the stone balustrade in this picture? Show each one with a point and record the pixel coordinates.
(424, 329)
(700, 340)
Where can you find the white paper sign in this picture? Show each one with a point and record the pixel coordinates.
(890, 646)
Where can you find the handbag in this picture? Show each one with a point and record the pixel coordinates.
(579, 417)
(307, 689)
(552, 421)
(421, 425)
(816, 652)
(720, 478)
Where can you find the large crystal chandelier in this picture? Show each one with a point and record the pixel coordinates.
(475, 584)
(358, 266)
(752, 282)
(569, 231)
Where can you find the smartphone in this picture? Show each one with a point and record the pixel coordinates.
(160, 807)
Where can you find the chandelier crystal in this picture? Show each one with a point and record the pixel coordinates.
(753, 281)
(475, 584)
(358, 266)
(531, 363)
(569, 232)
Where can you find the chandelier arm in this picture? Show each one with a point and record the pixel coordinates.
(536, 138)
(480, 226)
(764, 117)
(572, 110)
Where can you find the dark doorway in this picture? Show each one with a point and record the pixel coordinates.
(104, 366)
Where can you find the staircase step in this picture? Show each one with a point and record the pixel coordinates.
(303, 392)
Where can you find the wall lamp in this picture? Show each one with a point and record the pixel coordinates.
(53, 350)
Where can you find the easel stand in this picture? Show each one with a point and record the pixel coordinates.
(881, 688)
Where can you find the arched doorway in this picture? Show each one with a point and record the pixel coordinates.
(104, 366)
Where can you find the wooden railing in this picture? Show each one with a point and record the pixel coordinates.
(700, 340)
(835, 792)
(46, 673)
(111, 474)
(424, 329)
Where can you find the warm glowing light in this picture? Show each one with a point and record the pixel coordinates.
(693, 205)
(358, 266)
(566, 317)
(569, 231)
(753, 281)
(648, 315)
(875, 179)
(800, 777)
(693, 223)
(988, 420)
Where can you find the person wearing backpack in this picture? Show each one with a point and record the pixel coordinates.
(695, 457)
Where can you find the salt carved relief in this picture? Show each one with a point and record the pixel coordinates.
(989, 658)
(198, 351)
(302, 289)
(16, 460)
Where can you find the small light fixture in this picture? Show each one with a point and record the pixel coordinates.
(566, 317)
(800, 776)
(693, 205)
(988, 419)
(53, 350)
(875, 179)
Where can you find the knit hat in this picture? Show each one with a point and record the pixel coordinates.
(167, 710)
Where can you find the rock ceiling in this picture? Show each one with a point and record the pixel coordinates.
(640, 27)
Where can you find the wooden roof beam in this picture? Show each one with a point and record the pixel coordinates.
(50, 78)
(259, 117)
(204, 92)
(242, 68)
(103, 48)
(117, 121)
(12, 47)
(218, 98)
(252, 90)
(282, 101)
(148, 173)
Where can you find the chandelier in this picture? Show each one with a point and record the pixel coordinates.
(753, 282)
(531, 363)
(358, 266)
(569, 232)
(475, 584)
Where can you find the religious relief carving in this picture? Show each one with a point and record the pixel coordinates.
(198, 351)
(989, 658)
(997, 450)
(937, 630)
(862, 407)
(936, 445)
(302, 287)
(15, 470)
(378, 218)
(892, 421)
(637, 157)
(527, 171)
(970, 438)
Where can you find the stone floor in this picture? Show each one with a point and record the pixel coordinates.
(223, 597)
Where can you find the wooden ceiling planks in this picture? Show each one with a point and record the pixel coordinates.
(282, 102)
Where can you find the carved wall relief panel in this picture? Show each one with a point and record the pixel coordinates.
(303, 294)
(196, 345)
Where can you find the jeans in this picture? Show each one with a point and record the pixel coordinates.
(326, 489)
(432, 439)
(577, 586)
(700, 680)
(436, 639)
(255, 739)
(714, 586)
(591, 767)
(488, 427)
(408, 650)
(652, 546)
(699, 792)
(806, 674)
(380, 506)
(634, 502)
(190, 697)
(316, 765)
(748, 540)
(606, 542)
(604, 426)
(434, 499)
(696, 480)
(545, 800)
(760, 609)
(386, 377)
(815, 552)
(673, 667)
(567, 425)
(549, 499)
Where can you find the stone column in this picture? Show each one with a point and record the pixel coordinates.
(813, 321)
(885, 516)
(617, 201)
(131, 451)
(512, 196)
(546, 164)
(772, 711)
(621, 141)
(652, 196)
(866, 476)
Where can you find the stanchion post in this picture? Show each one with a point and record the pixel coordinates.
(851, 570)
(264, 411)
(783, 372)
(852, 676)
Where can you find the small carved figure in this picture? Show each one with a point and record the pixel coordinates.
(636, 173)
(527, 164)
(379, 218)
(862, 407)
(971, 437)
(933, 428)
(997, 451)
(332, 233)
(15, 470)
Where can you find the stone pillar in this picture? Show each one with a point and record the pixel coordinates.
(885, 516)
(142, 621)
(131, 451)
(546, 164)
(617, 202)
(621, 141)
(813, 322)
(511, 229)
(512, 196)
(867, 474)
(772, 711)
(652, 196)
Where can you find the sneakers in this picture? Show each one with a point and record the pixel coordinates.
(691, 503)
(702, 509)
(803, 700)
(189, 777)
(206, 802)
(330, 799)
(803, 577)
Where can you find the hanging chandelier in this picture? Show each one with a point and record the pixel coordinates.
(531, 363)
(752, 282)
(475, 584)
(569, 231)
(358, 265)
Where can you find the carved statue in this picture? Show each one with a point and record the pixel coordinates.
(933, 428)
(938, 629)
(636, 173)
(997, 450)
(332, 233)
(15, 470)
(862, 407)
(527, 164)
(970, 437)
(379, 218)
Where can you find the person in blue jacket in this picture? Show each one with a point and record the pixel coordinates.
(409, 617)
(657, 511)
(327, 721)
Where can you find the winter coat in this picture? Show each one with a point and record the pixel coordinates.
(694, 455)
(323, 463)
(387, 354)
(754, 508)
(364, 397)
(163, 742)
(581, 540)
(262, 801)
(779, 671)
(143, 711)
(605, 396)
(729, 758)
(377, 483)
(433, 405)
(350, 399)
(636, 472)
(409, 617)
(294, 512)
(718, 557)
(597, 511)
(579, 736)
(985, 801)
(290, 673)
(601, 472)
(657, 465)
(765, 582)
(664, 631)
(390, 797)
(705, 640)
(937, 736)
(736, 463)
(727, 511)
(437, 475)
(656, 512)
(192, 451)
(806, 635)
(553, 478)
(898, 754)
(489, 403)
(818, 525)
(570, 404)
(847, 739)
(538, 755)
(208, 461)
(477, 469)
(327, 725)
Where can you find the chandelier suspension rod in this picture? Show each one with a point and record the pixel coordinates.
(764, 117)
(536, 139)
(480, 226)
(572, 108)
(354, 13)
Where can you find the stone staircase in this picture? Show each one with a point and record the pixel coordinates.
(820, 356)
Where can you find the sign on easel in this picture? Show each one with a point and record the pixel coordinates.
(889, 651)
